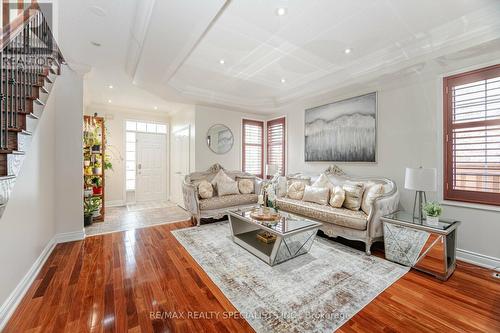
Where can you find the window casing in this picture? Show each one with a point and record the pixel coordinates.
(276, 134)
(472, 136)
(253, 147)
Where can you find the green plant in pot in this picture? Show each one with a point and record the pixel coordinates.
(90, 207)
(97, 168)
(432, 212)
(107, 163)
(97, 185)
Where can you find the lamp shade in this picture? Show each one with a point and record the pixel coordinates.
(421, 179)
(271, 169)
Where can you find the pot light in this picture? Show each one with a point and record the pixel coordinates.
(222, 61)
(281, 11)
(97, 44)
(110, 86)
(347, 51)
(283, 80)
(109, 101)
(155, 107)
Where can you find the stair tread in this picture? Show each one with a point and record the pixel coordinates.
(11, 151)
(7, 177)
(32, 115)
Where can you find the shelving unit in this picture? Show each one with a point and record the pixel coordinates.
(94, 146)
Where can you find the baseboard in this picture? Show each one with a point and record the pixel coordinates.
(478, 259)
(11, 303)
(114, 203)
(69, 236)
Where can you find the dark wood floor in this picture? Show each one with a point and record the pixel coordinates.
(114, 282)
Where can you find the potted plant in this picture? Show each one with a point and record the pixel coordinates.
(107, 163)
(97, 168)
(90, 206)
(97, 185)
(432, 212)
(87, 192)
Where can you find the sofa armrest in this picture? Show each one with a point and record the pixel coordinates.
(190, 195)
(382, 206)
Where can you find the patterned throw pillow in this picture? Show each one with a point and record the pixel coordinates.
(220, 177)
(205, 190)
(246, 186)
(353, 195)
(337, 197)
(372, 193)
(296, 190)
(227, 188)
(323, 181)
(317, 195)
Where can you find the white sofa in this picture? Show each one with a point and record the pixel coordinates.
(217, 206)
(354, 225)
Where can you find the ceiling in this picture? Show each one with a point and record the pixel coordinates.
(172, 50)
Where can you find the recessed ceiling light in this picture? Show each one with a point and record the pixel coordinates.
(222, 61)
(283, 80)
(95, 43)
(281, 11)
(109, 101)
(134, 82)
(110, 86)
(155, 107)
(347, 51)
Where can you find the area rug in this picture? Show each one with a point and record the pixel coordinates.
(316, 292)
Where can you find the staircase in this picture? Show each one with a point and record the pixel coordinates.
(30, 62)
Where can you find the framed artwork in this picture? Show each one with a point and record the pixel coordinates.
(343, 131)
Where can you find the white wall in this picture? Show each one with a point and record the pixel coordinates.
(182, 117)
(115, 137)
(409, 134)
(207, 117)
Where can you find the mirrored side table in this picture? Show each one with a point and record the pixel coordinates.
(430, 248)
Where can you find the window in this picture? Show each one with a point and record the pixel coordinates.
(253, 147)
(131, 128)
(472, 136)
(276, 144)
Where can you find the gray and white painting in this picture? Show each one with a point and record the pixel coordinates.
(343, 131)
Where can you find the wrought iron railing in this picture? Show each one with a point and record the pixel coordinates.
(29, 54)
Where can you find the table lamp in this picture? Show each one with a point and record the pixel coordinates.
(420, 180)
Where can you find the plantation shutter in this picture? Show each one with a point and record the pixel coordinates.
(472, 136)
(276, 144)
(253, 147)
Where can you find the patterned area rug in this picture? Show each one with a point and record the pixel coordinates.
(316, 292)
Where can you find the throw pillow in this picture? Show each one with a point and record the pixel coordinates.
(353, 195)
(323, 181)
(220, 177)
(372, 193)
(296, 190)
(205, 190)
(337, 197)
(227, 188)
(317, 195)
(246, 186)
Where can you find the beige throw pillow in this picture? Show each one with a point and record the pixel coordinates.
(296, 190)
(317, 195)
(246, 186)
(372, 193)
(205, 190)
(220, 177)
(353, 195)
(323, 181)
(337, 197)
(227, 188)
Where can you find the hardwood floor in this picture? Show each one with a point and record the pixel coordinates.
(118, 282)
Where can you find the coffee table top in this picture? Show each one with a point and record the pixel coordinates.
(404, 218)
(289, 223)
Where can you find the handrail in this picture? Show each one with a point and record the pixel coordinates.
(14, 28)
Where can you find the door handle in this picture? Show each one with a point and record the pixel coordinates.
(139, 166)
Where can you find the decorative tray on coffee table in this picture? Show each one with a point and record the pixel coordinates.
(265, 214)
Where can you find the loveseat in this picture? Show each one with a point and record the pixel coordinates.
(363, 225)
(216, 206)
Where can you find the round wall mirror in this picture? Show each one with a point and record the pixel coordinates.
(220, 139)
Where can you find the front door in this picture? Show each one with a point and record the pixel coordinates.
(180, 163)
(151, 183)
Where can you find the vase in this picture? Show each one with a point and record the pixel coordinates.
(432, 220)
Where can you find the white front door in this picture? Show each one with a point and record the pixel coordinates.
(151, 182)
(180, 163)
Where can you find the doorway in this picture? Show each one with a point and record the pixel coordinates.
(146, 162)
(180, 160)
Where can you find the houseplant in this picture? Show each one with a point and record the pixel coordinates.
(90, 207)
(97, 168)
(432, 212)
(97, 185)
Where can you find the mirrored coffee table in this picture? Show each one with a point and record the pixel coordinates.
(294, 235)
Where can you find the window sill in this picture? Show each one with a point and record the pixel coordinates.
(470, 205)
